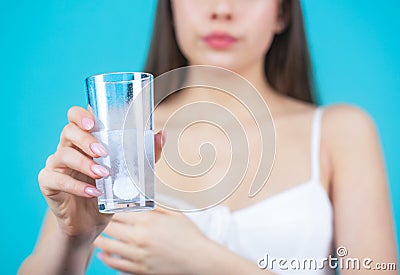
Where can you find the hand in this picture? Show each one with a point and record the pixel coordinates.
(153, 242)
(67, 181)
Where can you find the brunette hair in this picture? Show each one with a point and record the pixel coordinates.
(287, 64)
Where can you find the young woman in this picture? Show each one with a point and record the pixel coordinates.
(327, 189)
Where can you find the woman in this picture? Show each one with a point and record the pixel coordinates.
(334, 197)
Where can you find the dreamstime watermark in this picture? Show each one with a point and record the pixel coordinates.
(341, 261)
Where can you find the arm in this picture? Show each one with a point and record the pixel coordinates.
(67, 183)
(362, 212)
(145, 245)
(55, 253)
(220, 260)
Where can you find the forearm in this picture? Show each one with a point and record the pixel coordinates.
(58, 255)
(216, 259)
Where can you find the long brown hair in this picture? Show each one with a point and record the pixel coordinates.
(287, 63)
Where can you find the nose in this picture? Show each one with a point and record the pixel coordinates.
(222, 10)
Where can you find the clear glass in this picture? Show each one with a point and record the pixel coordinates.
(122, 104)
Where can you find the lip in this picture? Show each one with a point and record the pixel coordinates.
(220, 40)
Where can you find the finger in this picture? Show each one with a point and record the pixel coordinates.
(132, 218)
(157, 146)
(121, 264)
(116, 247)
(68, 157)
(159, 142)
(81, 117)
(122, 231)
(72, 135)
(90, 109)
(133, 234)
(163, 210)
(52, 183)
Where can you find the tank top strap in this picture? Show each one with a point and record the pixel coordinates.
(315, 144)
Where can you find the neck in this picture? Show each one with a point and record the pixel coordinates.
(254, 73)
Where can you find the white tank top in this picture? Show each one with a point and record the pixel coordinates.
(295, 225)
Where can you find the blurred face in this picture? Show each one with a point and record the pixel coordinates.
(233, 34)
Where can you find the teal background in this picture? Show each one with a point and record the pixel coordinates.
(49, 47)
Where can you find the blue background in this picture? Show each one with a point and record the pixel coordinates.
(49, 47)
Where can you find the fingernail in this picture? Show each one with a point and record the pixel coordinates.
(99, 170)
(98, 149)
(93, 191)
(87, 123)
(164, 137)
(99, 255)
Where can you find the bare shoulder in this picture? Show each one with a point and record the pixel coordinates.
(352, 145)
(347, 123)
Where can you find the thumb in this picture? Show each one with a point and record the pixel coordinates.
(159, 141)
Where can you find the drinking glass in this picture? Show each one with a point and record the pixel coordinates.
(122, 104)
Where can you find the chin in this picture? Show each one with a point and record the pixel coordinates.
(226, 63)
